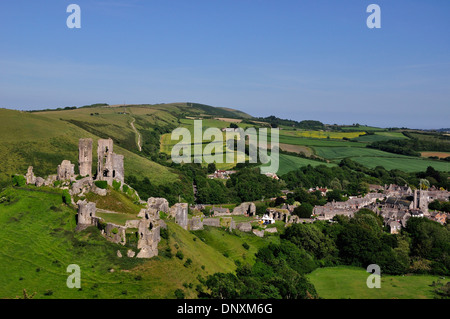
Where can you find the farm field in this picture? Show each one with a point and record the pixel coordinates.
(350, 283)
(296, 149)
(407, 164)
(380, 136)
(438, 154)
(289, 163)
(311, 142)
(343, 152)
(324, 134)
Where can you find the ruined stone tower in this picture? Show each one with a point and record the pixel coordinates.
(110, 165)
(85, 156)
(86, 213)
(65, 171)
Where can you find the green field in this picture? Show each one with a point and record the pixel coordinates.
(380, 136)
(289, 163)
(350, 283)
(406, 164)
(317, 142)
(343, 152)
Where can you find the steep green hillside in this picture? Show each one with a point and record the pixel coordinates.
(39, 242)
(43, 141)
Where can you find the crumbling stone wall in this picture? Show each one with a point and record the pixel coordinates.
(212, 222)
(244, 227)
(65, 171)
(180, 212)
(248, 209)
(116, 233)
(195, 223)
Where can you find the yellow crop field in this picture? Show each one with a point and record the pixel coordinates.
(324, 134)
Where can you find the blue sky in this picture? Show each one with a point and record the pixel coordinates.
(310, 59)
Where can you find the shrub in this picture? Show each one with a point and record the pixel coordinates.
(164, 233)
(162, 215)
(167, 253)
(115, 231)
(116, 185)
(48, 292)
(101, 184)
(188, 262)
(179, 294)
(246, 246)
(180, 255)
(56, 183)
(66, 197)
(19, 180)
(125, 188)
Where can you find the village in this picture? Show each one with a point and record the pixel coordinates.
(396, 204)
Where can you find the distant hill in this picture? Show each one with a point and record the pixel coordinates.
(44, 138)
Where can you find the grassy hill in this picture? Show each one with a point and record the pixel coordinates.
(39, 242)
(43, 140)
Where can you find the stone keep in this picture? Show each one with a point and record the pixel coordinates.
(65, 171)
(86, 212)
(85, 156)
(110, 166)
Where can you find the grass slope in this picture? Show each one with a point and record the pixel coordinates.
(39, 242)
(43, 141)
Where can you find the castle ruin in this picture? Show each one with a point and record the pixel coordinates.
(85, 156)
(110, 165)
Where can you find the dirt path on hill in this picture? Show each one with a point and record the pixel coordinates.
(138, 134)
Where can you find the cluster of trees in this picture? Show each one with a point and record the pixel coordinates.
(354, 178)
(248, 184)
(278, 273)
(443, 206)
(170, 191)
(306, 125)
(415, 144)
(279, 270)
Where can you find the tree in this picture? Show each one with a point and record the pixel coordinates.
(304, 210)
(211, 168)
(223, 286)
(312, 240)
